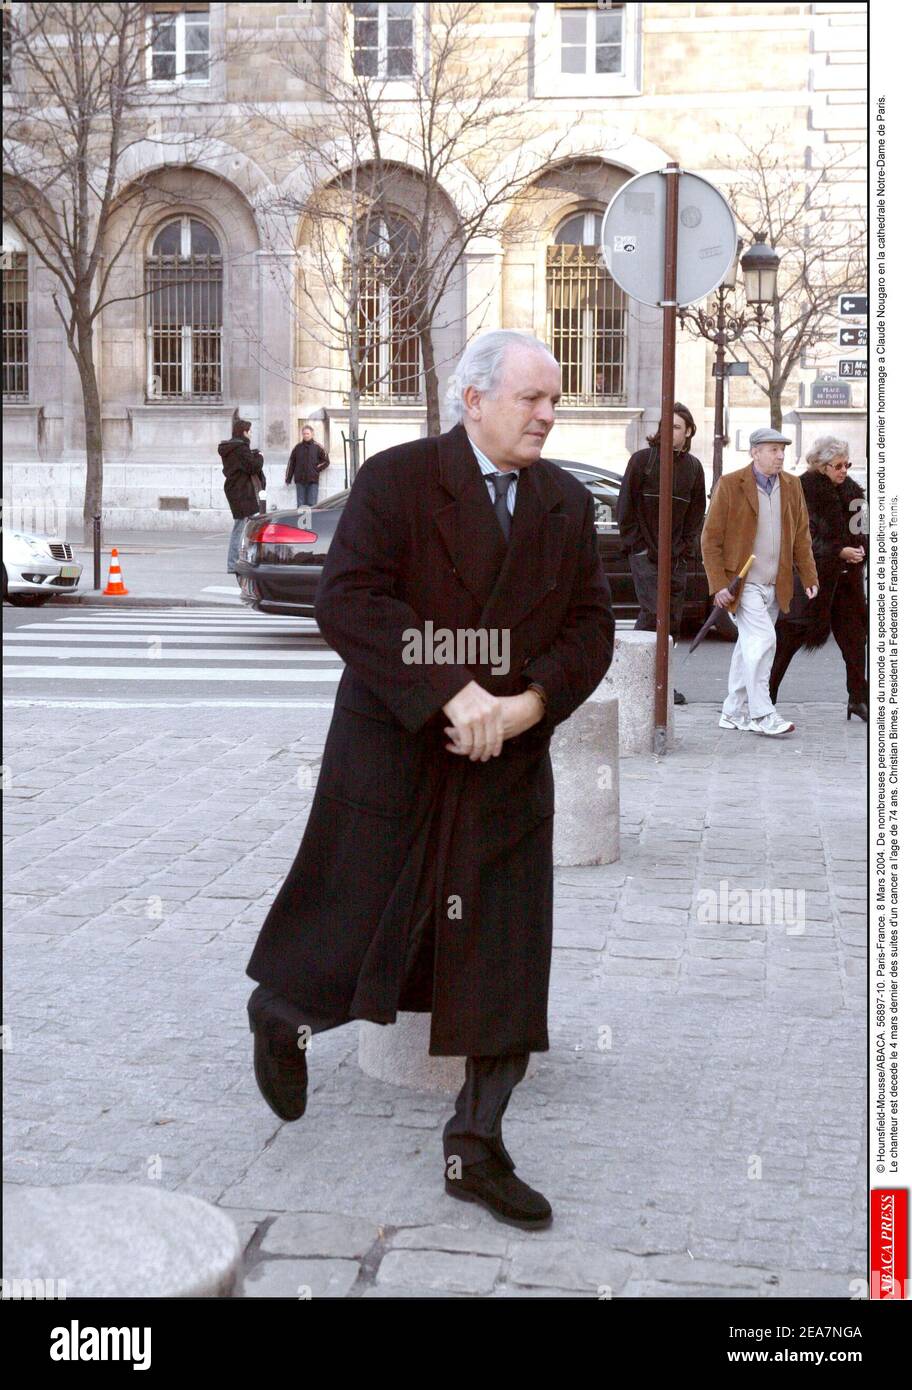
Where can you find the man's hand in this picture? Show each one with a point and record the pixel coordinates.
(812, 591)
(476, 723)
(517, 714)
(853, 553)
(724, 598)
(520, 712)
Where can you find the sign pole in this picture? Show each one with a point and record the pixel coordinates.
(666, 458)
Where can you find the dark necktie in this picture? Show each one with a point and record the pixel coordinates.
(502, 483)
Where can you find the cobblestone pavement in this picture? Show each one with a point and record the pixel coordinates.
(698, 1123)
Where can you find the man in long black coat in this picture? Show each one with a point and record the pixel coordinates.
(424, 878)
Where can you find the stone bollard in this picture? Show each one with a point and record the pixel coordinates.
(632, 679)
(584, 755)
(398, 1053)
(117, 1241)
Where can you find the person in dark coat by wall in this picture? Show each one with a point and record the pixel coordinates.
(424, 878)
(839, 535)
(638, 521)
(244, 480)
(305, 464)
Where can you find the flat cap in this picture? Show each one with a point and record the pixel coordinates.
(768, 436)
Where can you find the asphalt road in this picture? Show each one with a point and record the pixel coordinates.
(240, 657)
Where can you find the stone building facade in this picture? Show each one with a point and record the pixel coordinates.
(648, 84)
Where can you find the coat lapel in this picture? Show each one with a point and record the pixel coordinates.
(749, 487)
(508, 580)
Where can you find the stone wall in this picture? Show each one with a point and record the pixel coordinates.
(699, 76)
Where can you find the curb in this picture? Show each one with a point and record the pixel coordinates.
(99, 600)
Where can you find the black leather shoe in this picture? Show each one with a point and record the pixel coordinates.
(679, 698)
(857, 707)
(505, 1195)
(280, 1068)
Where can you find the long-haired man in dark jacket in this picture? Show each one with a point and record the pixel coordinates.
(638, 520)
(244, 480)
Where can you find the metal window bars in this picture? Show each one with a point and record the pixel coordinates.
(388, 344)
(184, 331)
(15, 326)
(587, 326)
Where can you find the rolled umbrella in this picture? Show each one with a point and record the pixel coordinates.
(717, 612)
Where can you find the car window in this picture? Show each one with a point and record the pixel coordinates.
(605, 495)
(338, 499)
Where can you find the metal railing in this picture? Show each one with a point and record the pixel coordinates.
(184, 333)
(587, 326)
(15, 327)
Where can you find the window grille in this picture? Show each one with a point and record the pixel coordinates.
(15, 326)
(388, 344)
(7, 45)
(179, 50)
(592, 39)
(383, 40)
(587, 317)
(184, 294)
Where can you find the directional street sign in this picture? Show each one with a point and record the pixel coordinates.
(853, 306)
(853, 337)
(850, 366)
(732, 369)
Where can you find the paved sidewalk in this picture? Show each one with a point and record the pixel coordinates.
(160, 567)
(698, 1123)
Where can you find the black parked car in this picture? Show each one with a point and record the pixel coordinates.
(281, 557)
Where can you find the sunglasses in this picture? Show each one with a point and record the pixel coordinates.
(840, 467)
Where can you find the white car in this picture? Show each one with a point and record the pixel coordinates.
(36, 568)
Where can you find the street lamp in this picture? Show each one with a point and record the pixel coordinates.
(759, 266)
(724, 327)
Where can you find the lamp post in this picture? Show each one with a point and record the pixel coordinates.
(724, 327)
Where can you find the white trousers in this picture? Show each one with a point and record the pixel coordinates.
(752, 659)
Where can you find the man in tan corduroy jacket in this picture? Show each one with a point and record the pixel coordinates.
(759, 511)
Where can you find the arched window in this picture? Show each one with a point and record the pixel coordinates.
(15, 317)
(587, 315)
(184, 294)
(387, 331)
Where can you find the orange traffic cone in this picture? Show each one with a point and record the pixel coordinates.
(115, 578)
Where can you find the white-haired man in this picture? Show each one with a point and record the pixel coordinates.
(424, 878)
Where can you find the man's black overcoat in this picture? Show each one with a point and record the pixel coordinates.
(424, 881)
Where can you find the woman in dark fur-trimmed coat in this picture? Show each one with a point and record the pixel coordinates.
(839, 534)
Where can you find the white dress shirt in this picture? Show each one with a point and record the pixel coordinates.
(487, 468)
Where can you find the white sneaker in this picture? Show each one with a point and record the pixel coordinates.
(739, 721)
(771, 724)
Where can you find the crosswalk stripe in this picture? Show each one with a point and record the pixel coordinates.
(185, 620)
(217, 654)
(73, 702)
(100, 628)
(148, 672)
(252, 620)
(281, 642)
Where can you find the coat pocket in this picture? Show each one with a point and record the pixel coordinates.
(373, 765)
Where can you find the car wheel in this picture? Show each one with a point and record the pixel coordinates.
(29, 600)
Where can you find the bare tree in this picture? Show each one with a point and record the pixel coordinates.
(463, 126)
(821, 241)
(79, 103)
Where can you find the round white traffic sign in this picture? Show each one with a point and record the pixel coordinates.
(633, 238)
